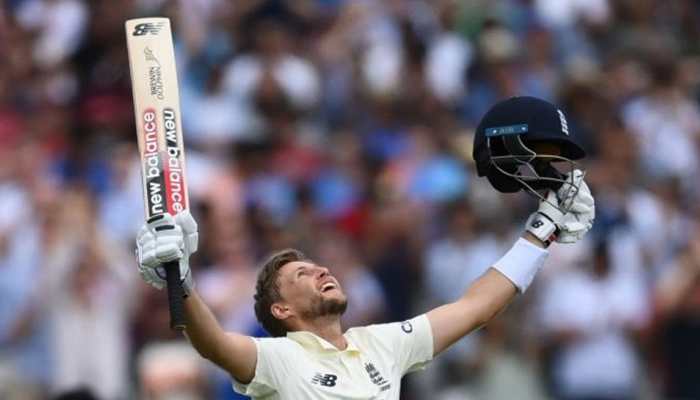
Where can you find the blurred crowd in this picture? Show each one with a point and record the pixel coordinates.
(344, 128)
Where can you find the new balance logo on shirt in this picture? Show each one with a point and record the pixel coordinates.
(305, 366)
(329, 380)
(324, 379)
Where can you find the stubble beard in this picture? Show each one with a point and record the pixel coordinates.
(322, 307)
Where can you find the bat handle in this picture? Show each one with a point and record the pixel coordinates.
(176, 296)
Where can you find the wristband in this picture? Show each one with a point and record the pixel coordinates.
(521, 263)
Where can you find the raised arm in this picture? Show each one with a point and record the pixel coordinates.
(172, 238)
(482, 301)
(514, 272)
(233, 352)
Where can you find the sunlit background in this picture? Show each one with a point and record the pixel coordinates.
(344, 128)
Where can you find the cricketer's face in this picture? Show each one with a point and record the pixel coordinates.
(310, 291)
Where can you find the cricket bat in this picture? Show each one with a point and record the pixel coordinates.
(158, 128)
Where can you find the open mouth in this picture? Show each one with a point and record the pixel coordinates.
(328, 286)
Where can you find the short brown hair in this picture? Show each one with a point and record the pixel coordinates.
(267, 291)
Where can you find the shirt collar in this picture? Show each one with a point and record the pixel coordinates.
(312, 342)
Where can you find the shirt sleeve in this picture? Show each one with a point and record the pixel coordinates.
(410, 341)
(271, 367)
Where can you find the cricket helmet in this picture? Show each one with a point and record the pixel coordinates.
(517, 141)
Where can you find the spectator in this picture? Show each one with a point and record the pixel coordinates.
(344, 128)
(665, 112)
(677, 306)
(91, 299)
(591, 315)
(170, 370)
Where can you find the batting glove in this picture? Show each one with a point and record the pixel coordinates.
(564, 216)
(544, 223)
(581, 209)
(167, 239)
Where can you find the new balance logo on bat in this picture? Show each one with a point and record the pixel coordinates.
(152, 164)
(147, 28)
(175, 176)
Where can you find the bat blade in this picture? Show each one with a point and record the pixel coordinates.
(158, 129)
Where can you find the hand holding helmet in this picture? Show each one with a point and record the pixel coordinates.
(564, 216)
(576, 198)
(515, 146)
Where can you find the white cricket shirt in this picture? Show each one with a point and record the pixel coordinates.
(305, 366)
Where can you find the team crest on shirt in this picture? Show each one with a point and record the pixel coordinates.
(376, 377)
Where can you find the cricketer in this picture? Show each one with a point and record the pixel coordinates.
(299, 302)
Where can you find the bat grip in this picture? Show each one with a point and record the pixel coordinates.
(176, 295)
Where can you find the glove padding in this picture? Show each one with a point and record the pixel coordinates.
(167, 239)
(581, 209)
(569, 212)
(544, 222)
